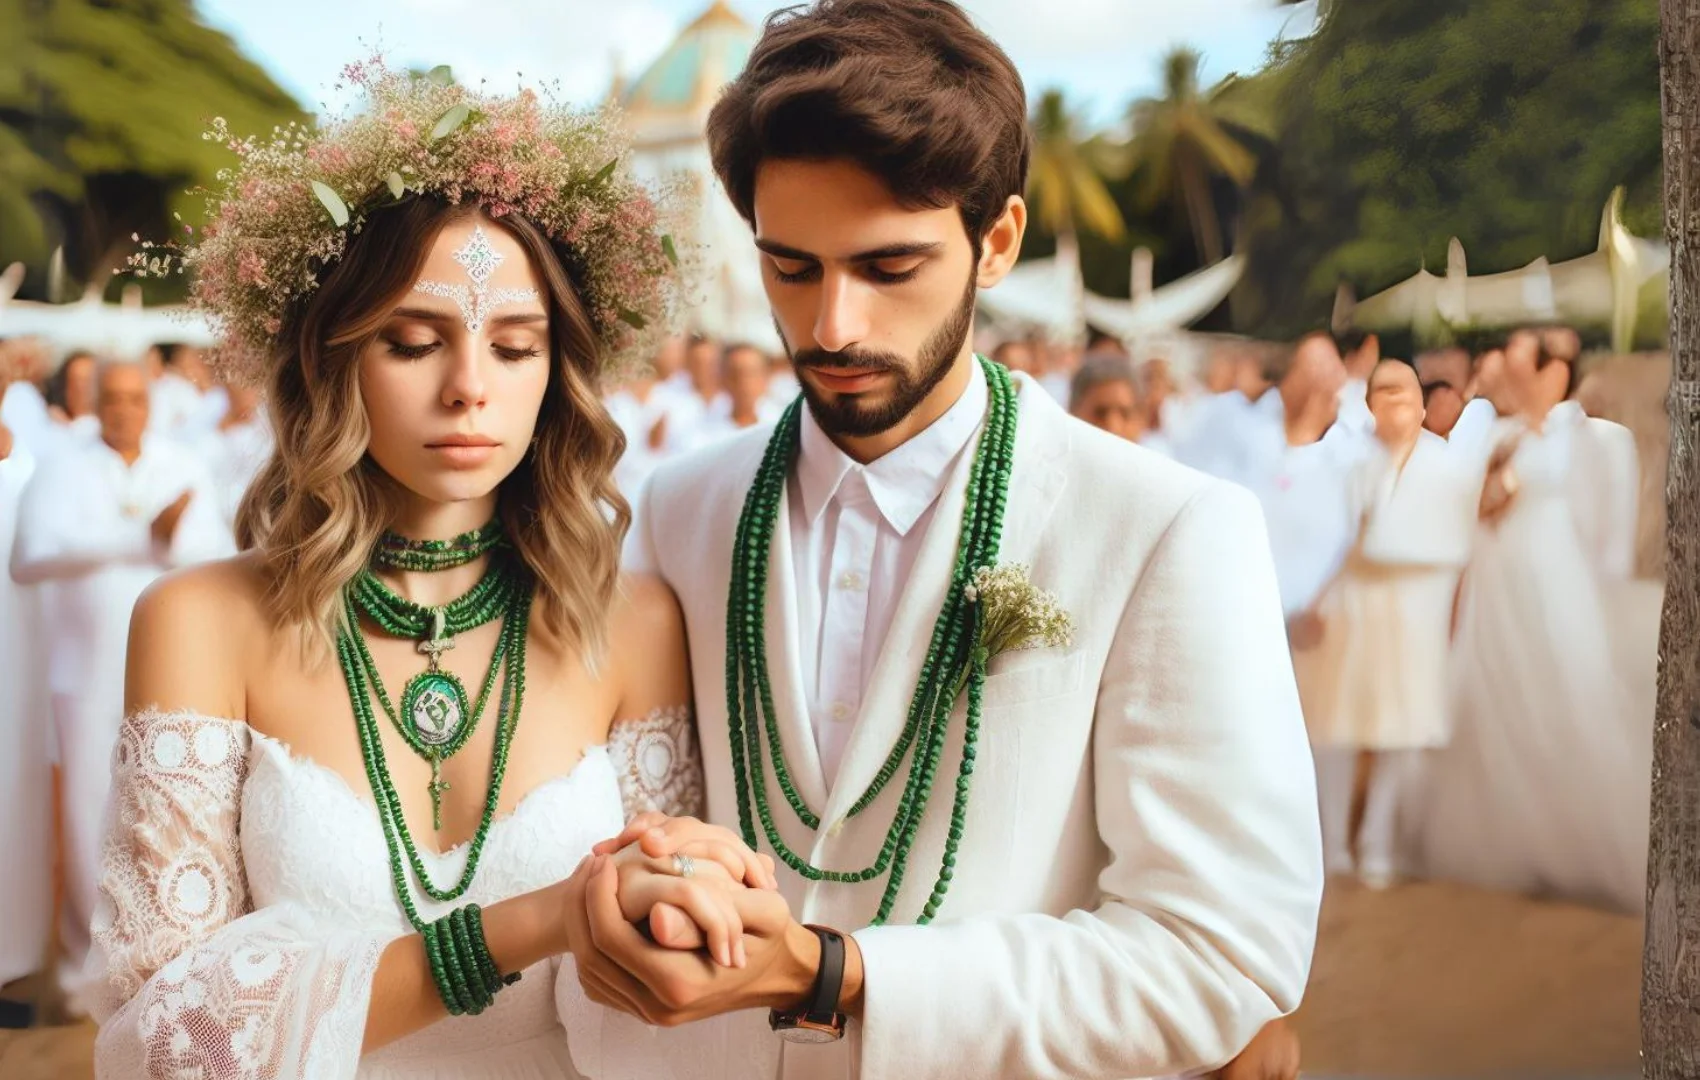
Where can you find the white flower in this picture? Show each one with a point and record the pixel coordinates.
(1015, 613)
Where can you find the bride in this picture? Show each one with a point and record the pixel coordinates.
(1544, 786)
(364, 763)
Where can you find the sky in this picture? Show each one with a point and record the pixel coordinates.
(1103, 53)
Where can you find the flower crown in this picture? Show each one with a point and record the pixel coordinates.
(283, 215)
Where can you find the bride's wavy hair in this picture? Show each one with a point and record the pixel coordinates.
(318, 506)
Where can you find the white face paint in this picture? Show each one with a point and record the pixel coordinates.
(475, 303)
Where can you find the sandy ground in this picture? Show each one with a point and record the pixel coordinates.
(1433, 980)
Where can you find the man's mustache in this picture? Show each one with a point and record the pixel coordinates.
(821, 360)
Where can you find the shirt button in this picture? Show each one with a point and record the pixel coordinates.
(840, 711)
(851, 581)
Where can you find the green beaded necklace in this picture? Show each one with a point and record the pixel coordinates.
(466, 976)
(436, 717)
(511, 649)
(951, 655)
(397, 552)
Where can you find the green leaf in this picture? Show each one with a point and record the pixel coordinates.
(332, 203)
(441, 75)
(670, 251)
(633, 319)
(607, 171)
(450, 120)
(398, 186)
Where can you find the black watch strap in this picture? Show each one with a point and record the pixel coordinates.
(829, 981)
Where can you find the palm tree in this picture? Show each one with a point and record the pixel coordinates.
(1065, 183)
(1186, 138)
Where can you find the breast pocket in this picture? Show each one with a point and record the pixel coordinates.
(1032, 675)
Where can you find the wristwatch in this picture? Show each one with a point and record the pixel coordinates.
(818, 1021)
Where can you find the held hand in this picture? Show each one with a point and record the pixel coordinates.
(165, 525)
(1272, 1055)
(693, 912)
(618, 967)
(662, 837)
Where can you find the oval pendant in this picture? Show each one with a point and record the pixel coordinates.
(434, 705)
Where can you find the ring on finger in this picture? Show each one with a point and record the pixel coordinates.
(684, 865)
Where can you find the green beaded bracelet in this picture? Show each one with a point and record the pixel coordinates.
(456, 988)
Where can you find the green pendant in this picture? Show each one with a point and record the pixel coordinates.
(435, 706)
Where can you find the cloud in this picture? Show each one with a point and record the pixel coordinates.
(1103, 52)
(305, 43)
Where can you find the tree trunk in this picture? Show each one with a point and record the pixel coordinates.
(1670, 986)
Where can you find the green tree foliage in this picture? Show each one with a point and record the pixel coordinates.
(102, 107)
(1184, 140)
(1066, 177)
(1403, 123)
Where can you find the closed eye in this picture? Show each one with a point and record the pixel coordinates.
(507, 353)
(412, 352)
(793, 271)
(892, 277)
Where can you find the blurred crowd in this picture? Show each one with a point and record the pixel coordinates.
(1452, 537)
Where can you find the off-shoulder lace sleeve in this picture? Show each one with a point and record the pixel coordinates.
(189, 980)
(658, 763)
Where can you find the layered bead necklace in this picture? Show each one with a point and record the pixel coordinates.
(436, 720)
(952, 659)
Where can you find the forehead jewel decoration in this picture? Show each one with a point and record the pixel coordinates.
(480, 260)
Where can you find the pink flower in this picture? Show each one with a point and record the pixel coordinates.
(250, 269)
(273, 325)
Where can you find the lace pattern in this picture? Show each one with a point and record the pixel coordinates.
(192, 982)
(658, 763)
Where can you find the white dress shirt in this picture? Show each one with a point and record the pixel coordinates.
(855, 532)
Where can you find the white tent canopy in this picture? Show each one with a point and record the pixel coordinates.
(1048, 297)
(121, 330)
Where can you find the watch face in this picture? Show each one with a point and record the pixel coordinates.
(807, 1034)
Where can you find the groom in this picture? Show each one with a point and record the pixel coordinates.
(1091, 859)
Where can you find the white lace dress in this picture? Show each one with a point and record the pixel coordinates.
(246, 899)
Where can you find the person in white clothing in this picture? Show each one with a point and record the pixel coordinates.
(26, 791)
(185, 402)
(1298, 461)
(330, 855)
(23, 407)
(1105, 394)
(1375, 682)
(236, 448)
(640, 406)
(1543, 787)
(1117, 872)
(102, 522)
(1218, 433)
(700, 395)
(745, 402)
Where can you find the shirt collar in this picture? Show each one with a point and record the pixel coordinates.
(906, 481)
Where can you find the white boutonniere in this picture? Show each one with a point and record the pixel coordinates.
(1014, 614)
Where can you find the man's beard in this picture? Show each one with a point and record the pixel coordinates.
(845, 415)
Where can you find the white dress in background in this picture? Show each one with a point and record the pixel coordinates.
(246, 899)
(1378, 680)
(26, 784)
(1544, 786)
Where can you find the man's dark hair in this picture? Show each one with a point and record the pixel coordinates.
(910, 90)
